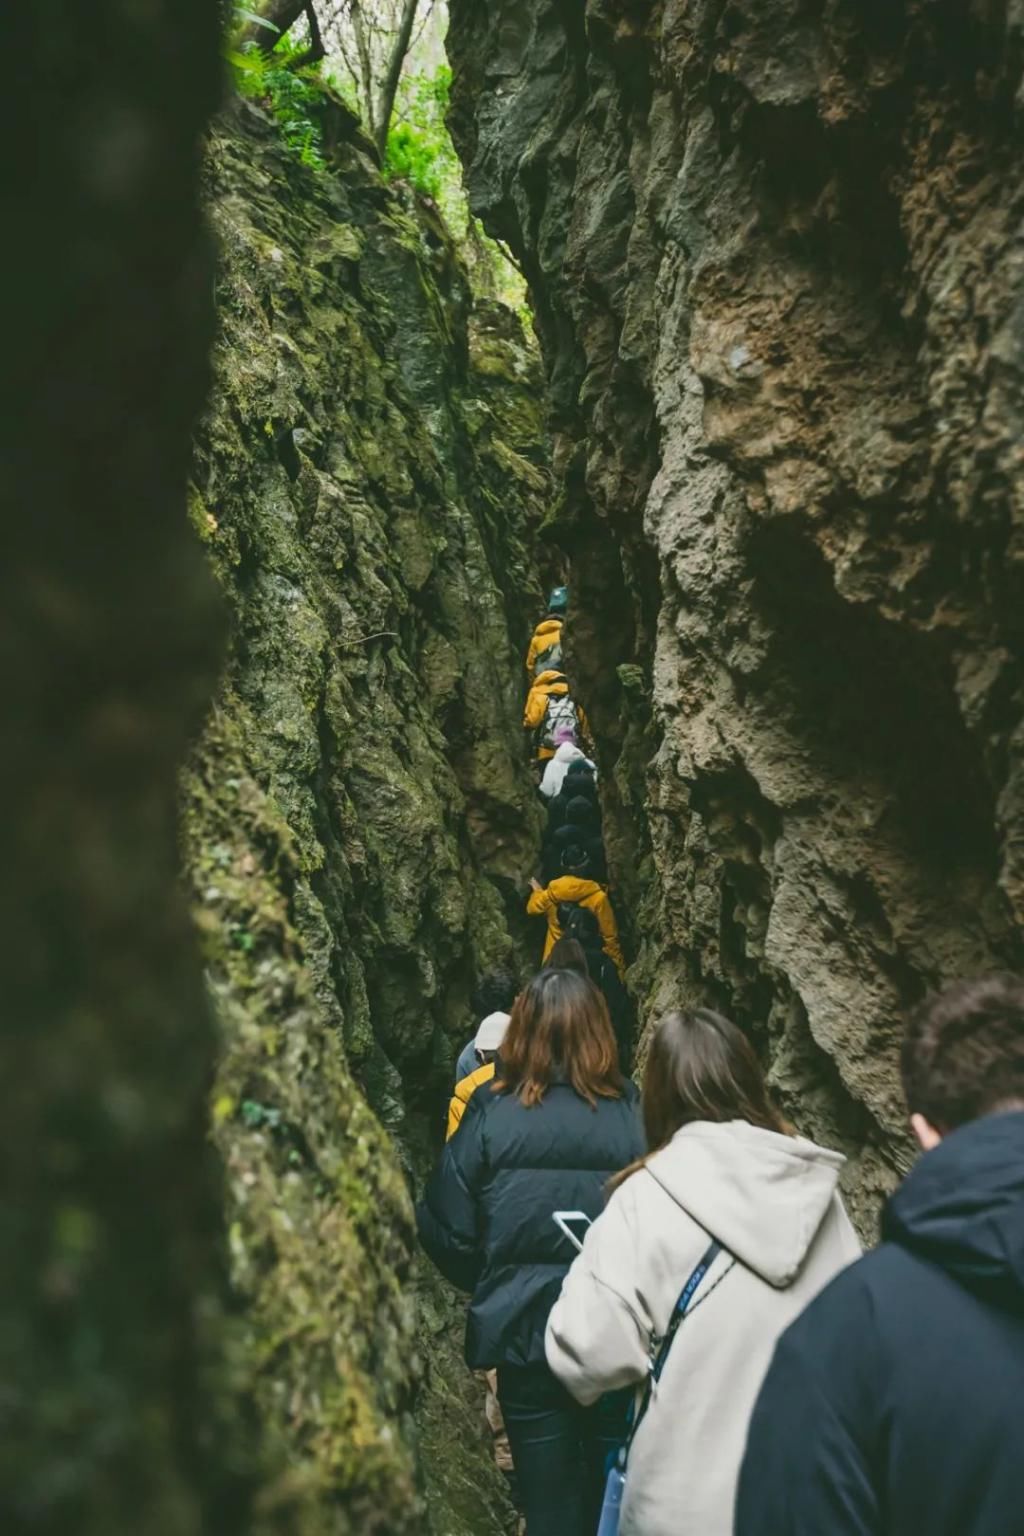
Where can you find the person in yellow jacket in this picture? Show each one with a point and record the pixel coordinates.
(595, 923)
(553, 714)
(546, 646)
(487, 1044)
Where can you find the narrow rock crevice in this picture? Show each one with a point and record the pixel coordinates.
(784, 258)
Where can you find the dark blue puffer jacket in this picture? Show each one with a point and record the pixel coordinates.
(894, 1404)
(486, 1216)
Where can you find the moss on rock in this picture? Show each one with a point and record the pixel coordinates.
(367, 482)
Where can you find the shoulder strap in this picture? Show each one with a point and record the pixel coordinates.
(660, 1356)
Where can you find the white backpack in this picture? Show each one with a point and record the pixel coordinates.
(560, 715)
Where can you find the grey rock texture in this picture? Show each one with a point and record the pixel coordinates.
(359, 816)
(778, 269)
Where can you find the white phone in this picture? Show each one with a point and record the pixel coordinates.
(562, 1220)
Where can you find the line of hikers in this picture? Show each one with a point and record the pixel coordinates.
(572, 893)
(668, 1295)
(809, 1392)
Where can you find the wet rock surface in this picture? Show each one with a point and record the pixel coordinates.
(777, 266)
(368, 480)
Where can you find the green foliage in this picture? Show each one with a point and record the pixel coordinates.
(290, 94)
(242, 16)
(420, 151)
(419, 148)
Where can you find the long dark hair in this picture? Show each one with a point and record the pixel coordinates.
(560, 1030)
(701, 1066)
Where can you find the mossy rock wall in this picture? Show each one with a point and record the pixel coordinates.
(359, 813)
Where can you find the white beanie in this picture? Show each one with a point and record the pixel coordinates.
(491, 1031)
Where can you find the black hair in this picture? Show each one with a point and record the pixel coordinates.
(963, 1051)
(576, 860)
(495, 992)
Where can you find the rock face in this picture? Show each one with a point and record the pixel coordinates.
(367, 482)
(776, 257)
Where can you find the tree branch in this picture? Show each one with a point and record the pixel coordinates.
(282, 14)
(389, 90)
(424, 23)
(365, 67)
(316, 50)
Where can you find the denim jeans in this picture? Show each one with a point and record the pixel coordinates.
(559, 1449)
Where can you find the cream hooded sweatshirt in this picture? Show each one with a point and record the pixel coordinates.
(771, 1201)
(554, 774)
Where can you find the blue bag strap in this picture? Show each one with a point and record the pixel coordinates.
(679, 1311)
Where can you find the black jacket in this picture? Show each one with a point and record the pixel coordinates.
(574, 788)
(893, 1405)
(486, 1216)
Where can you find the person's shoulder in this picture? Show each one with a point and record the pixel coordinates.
(845, 1310)
(623, 1104)
(466, 1087)
(481, 1100)
(623, 1124)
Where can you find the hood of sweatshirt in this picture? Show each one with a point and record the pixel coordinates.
(962, 1207)
(761, 1194)
(573, 888)
(567, 752)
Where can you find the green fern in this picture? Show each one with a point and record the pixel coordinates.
(291, 95)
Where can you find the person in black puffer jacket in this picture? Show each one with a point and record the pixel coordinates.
(892, 1407)
(579, 781)
(557, 1123)
(582, 829)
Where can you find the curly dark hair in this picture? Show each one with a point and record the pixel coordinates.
(963, 1051)
(495, 992)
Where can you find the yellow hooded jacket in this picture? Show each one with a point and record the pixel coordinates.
(547, 632)
(464, 1091)
(585, 893)
(550, 684)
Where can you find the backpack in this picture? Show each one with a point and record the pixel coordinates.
(560, 714)
(549, 660)
(581, 924)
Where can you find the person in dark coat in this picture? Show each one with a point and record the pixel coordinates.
(581, 828)
(579, 781)
(893, 1405)
(545, 1137)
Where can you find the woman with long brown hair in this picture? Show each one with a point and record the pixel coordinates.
(541, 1141)
(710, 1246)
